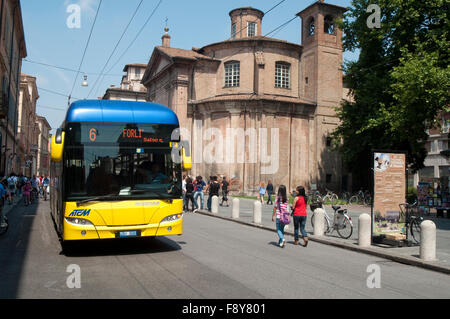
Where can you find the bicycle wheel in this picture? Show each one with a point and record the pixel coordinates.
(415, 230)
(353, 200)
(334, 199)
(345, 230)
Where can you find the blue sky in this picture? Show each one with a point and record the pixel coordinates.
(192, 23)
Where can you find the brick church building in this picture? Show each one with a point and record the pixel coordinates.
(256, 108)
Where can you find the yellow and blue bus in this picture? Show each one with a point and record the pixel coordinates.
(116, 171)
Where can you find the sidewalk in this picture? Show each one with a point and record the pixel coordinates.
(407, 255)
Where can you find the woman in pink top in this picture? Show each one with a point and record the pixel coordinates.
(300, 206)
(26, 193)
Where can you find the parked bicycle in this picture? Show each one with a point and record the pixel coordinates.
(412, 219)
(362, 198)
(341, 222)
(330, 197)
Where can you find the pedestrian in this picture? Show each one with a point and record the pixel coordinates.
(300, 214)
(12, 182)
(183, 190)
(262, 191)
(200, 185)
(3, 223)
(27, 193)
(270, 191)
(189, 195)
(224, 185)
(213, 189)
(281, 204)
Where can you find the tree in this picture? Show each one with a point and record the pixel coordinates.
(400, 82)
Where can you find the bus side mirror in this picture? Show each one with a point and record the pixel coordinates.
(57, 146)
(186, 155)
(187, 161)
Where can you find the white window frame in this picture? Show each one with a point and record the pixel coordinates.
(232, 74)
(282, 75)
(233, 31)
(249, 23)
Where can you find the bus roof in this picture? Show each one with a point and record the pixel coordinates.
(114, 111)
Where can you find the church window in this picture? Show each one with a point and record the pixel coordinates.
(282, 75)
(232, 73)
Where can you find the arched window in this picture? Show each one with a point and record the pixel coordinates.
(311, 27)
(328, 26)
(232, 73)
(282, 75)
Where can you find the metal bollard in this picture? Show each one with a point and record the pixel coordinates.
(364, 231)
(215, 204)
(428, 240)
(235, 208)
(257, 212)
(319, 222)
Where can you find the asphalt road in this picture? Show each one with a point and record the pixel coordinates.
(213, 259)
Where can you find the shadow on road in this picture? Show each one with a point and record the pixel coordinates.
(131, 246)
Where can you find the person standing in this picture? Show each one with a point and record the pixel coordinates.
(262, 191)
(213, 189)
(183, 190)
(12, 183)
(200, 185)
(300, 214)
(189, 195)
(270, 191)
(224, 185)
(2, 202)
(281, 203)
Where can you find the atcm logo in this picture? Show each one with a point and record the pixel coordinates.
(373, 20)
(74, 19)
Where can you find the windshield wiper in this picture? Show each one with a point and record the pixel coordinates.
(90, 199)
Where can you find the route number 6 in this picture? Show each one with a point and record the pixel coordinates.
(93, 134)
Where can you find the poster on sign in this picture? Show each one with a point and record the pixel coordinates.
(389, 185)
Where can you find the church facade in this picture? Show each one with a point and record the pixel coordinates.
(255, 108)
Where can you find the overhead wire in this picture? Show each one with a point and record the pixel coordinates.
(115, 47)
(85, 50)
(136, 37)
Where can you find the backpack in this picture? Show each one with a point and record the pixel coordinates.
(285, 216)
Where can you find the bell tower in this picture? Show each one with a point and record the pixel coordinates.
(321, 80)
(322, 53)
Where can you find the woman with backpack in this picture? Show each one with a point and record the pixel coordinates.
(299, 212)
(281, 209)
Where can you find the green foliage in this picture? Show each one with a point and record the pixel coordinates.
(400, 83)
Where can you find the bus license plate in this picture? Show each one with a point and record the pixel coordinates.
(128, 233)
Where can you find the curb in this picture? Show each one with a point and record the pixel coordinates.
(369, 251)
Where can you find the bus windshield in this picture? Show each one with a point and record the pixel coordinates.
(119, 162)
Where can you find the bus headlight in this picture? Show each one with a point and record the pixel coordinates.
(79, 221)
(171, 218)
